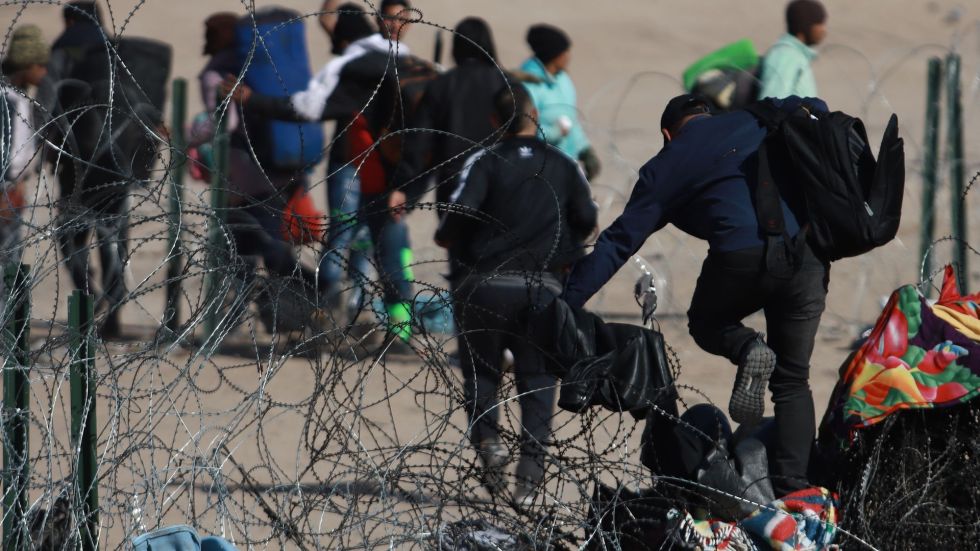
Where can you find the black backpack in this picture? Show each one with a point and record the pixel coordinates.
(109, 107)
(850, 202)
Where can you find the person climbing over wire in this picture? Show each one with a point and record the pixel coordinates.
(702, 181)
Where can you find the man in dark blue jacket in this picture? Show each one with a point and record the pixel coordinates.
(703, 181)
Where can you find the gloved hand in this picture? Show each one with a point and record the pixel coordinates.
(590, 163)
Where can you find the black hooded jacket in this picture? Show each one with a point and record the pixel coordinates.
(521, 205)
(453, 119)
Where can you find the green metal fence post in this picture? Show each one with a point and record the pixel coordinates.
(178, 143)
(16, 406)
(930, 164)
(954, 155)
(216, 240)
(81, 313)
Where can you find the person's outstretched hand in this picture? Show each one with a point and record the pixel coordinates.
(237, 90)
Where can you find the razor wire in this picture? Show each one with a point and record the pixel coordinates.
(313, 437)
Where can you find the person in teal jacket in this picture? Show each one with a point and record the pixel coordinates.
(786, 67)
(553, 94)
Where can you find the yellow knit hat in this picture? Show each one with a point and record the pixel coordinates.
(26, 48)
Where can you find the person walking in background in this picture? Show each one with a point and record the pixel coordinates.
(24, 67)
(786, 67)
(348, 239)
(363, 86)
(699, 182)
(454, 117)
(254, 226)
(105, 127)
(520, 214)
(554, 95)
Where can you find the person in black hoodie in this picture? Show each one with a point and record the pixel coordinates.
(453, 118)
(520, 215)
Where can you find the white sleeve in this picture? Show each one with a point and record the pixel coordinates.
(310, 102)
(20, 145)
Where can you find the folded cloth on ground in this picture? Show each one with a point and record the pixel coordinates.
(805, 520)
(919, 355)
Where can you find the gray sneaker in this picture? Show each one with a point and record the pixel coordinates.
(749, 393)
(530, 473)
(493, 456)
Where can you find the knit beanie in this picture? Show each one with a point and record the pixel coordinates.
(801, 15)
(352, 24)
(547, 42)
(26, 48)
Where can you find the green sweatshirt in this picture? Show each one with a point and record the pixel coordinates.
(786, 70)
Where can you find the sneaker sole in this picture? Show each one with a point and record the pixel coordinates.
(749, 393)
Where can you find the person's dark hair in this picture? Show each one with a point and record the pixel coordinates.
(388, 3)
(82, 11)
(473, 39)
(352, 24)
(219, 32)
(547, 42)
(801, 15)
(512, 106)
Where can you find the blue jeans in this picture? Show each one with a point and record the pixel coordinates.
(392, 250)
(345, 231)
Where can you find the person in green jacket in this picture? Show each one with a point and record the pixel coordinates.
(553, 94)
(786, 67)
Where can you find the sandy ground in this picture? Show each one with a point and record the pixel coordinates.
(176, 423)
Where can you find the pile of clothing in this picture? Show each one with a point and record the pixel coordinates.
(805, 520)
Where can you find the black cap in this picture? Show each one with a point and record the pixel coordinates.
(547, 42)
(682, 106)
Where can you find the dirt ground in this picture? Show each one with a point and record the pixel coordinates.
(187, 438)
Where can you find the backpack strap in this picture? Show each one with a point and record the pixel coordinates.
(783, 254)
(768, 209)
(766, 112)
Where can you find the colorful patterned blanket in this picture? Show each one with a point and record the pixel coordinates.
(919, 355)
(805, 520)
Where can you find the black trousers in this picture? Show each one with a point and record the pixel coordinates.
(492, 315)
(736, 284)
(107, 215)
